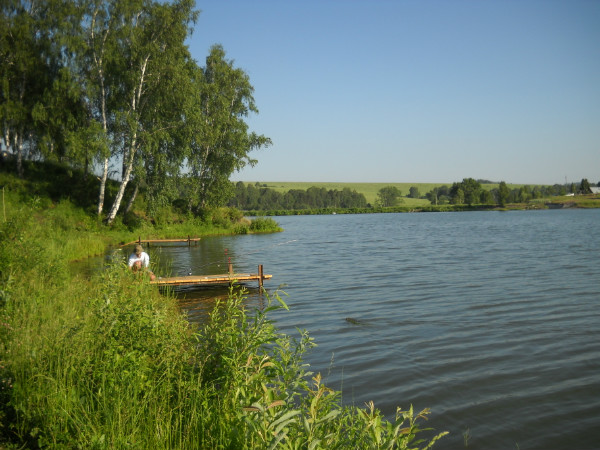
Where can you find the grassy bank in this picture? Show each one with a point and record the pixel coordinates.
(111, 363)
(80, 233)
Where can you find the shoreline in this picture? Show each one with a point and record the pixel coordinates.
(586, 202)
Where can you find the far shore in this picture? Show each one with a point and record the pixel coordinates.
(579, 201)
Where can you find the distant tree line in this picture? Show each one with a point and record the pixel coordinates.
(470, 191)
(262, 198)
(259, 197)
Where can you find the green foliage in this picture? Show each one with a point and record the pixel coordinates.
(486, 198)
(222, 218)
(368, 190)
(467, 191)
(51, 181)
(216, 138)
(45, 187)
(503, 194)
(85, 82)
(257, 197)
(264, 224)
(111, 363)
(133, 221)
(414, 192)
(256, 225)
(584, 187)
(388, 196)
(439, 195)
(25, 72)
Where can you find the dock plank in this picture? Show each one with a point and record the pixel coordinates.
(161, 241)
(202, 280)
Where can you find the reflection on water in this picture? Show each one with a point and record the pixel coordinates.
(95, 264)
(198, 302)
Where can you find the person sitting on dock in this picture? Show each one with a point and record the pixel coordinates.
(139, 259)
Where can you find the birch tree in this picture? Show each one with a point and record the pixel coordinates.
(220, 139)
(41, 107)
(112, 81)
(154, 32)
(98, 50)
(23, 72)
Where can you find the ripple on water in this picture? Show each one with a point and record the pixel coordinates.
(491, 320)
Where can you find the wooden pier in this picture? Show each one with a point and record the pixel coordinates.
(207, 280)
(141, 241)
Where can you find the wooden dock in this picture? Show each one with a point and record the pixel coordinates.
(207, 280)
(141, 241)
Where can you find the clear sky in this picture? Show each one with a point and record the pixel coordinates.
(416, 90)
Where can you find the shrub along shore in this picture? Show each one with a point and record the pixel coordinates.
(110, 362)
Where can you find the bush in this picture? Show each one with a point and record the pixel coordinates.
(220, 217)
(132, 221)
(235, 215)
(264, 224)
(241, 229)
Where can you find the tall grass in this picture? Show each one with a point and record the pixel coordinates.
(111, 363)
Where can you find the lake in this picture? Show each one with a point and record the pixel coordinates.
(491, 319)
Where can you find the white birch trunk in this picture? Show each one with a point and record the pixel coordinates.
(135, 101)
(7, 140)
(99, 62)
(102, 186)
(132, 199)
(18, 145)
(105, 164)
(117, 203)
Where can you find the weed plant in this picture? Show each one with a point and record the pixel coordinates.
(111, 363)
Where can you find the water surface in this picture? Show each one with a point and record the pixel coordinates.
(491, 319)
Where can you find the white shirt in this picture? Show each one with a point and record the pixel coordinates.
(144, 258)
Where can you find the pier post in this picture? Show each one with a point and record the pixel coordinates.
(230, 268)
(260, 275)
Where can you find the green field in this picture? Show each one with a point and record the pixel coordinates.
(368, 189)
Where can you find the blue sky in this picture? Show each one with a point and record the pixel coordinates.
(416, 91)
